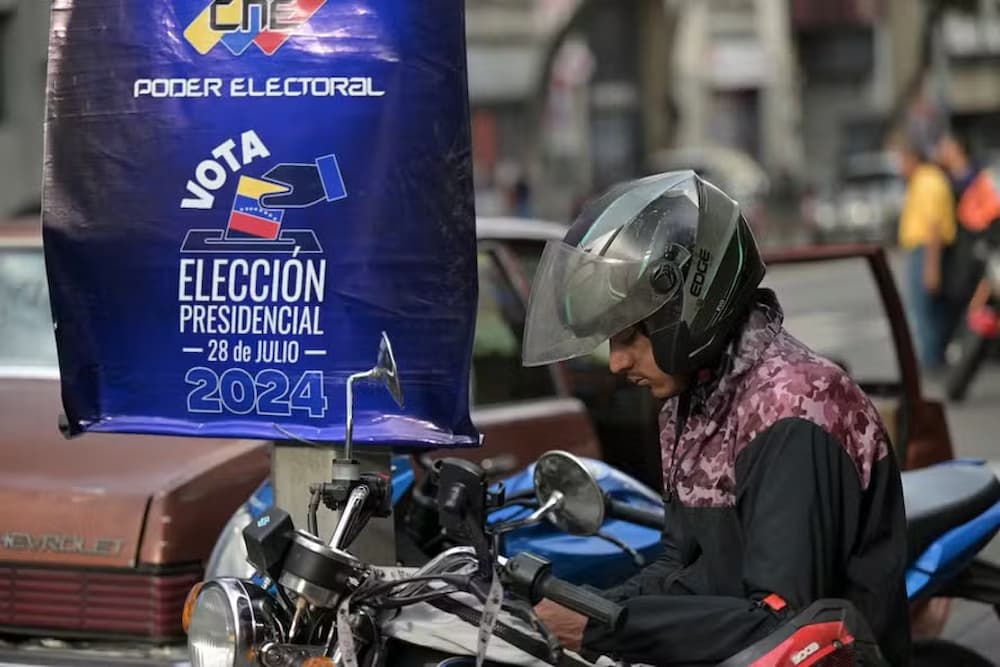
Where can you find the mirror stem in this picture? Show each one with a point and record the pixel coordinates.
(348, 439)
(554, 501)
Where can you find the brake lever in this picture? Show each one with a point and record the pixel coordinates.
(526, 613)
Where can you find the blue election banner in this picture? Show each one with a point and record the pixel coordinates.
(240, 196)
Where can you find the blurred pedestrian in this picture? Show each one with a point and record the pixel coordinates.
(520, 198)
(952, 152)
(926, 231)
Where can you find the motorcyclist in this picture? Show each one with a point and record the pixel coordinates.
(780, 483)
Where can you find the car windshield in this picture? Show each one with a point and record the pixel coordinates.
(26, 332)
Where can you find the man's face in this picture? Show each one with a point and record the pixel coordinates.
(631, 355)
(949, 153)
(906, 161)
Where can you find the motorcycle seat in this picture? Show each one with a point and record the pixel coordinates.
(942, 497)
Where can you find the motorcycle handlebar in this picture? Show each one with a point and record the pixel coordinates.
(637, 515)
(530, 577)
(582, 601)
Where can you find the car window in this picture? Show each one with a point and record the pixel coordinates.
(835, 308)
(497, 373)
(529, 255)
(26, 336)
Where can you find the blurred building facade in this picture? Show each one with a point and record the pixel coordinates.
(569, 96)
(23, 46)
(736, 86)
(845, 61)
(965, 66)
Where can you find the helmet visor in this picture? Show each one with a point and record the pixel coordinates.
(580, 299)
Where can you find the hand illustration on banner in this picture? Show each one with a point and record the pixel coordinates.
(306, 184)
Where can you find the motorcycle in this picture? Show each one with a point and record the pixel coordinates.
(626, 542)
(329, 609)
(953, 511)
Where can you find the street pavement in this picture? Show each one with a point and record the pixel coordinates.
(834, 307)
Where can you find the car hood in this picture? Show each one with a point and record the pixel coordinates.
(111, 500)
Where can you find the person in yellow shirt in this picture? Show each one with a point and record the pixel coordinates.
(926, 230)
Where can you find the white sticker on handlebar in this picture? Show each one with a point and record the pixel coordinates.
(345, 635)
(491, 610)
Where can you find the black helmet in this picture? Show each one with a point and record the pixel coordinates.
(670, 252)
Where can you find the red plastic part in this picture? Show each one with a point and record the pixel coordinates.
(807, 646)
(985, 322)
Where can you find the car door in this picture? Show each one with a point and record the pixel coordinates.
(521, 412)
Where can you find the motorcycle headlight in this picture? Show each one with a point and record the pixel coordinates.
(229, 557)
(230, 621)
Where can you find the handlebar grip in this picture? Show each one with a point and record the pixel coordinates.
(583, 602)
(637, 515)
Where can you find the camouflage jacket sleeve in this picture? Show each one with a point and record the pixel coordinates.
(807, 529)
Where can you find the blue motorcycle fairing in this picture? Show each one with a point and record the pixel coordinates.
(952, 552)
(402, 477)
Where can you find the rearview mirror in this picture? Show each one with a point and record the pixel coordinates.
(385, 369)
(579, 509)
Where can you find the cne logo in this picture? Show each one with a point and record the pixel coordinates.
(802, 655)
(239, 23)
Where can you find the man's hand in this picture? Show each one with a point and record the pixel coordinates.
(932, 262)
(932, 278)
(564, 623)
